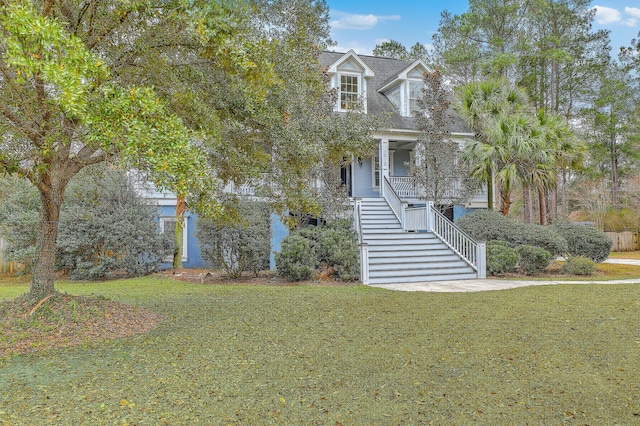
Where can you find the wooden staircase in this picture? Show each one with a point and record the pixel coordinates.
(397, 256)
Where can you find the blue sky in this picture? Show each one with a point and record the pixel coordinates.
(361, 24)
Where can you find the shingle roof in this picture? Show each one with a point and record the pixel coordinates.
(386, 70)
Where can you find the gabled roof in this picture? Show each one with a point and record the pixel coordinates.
(404, 75)
(384, 72)
(351, 55)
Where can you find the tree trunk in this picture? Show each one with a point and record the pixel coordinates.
(490, 190)
(505, 202)
(42, 283)
(553, 216)
(565, 208)
(526, 203)
(542, 201)
(177, 253)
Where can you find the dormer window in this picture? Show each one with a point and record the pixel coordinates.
(414, 94)
(349, 91)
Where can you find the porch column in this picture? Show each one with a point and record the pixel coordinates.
(384, 159)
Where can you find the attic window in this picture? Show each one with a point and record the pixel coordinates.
(349, 91)
(414, 94)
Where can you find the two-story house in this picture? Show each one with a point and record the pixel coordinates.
(403, 238)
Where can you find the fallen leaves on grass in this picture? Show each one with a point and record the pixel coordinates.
(66, 320)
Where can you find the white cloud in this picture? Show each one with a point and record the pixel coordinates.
(357, 47)
(633, 11)
(606, 15)
(349, 21)
(631, 22)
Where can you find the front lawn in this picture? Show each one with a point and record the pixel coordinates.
(353, 355)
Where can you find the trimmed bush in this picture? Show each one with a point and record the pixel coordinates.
(533, 259)
(338, 249)
(296, 260)
(584, 241)
(501, 258)
(334, 245)
(485, 225)
(238, 246)
(579, 266)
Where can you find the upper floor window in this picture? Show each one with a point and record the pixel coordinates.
(414, 94)
(349, 91)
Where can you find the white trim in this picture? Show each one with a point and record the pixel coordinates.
(373, 172)
(351, 54)
(163, 220)
(392, 153)
(404, 75)
(360, 93)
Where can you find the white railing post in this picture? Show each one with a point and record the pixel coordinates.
(403, 215)
(481, 258)
(364, 263)
(430, 216)
(357, 207)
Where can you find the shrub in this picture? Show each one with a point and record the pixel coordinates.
(501, 258)
(338, 249)
(584, 241)
(240, 246)
(579, 266)
(19, 219)
(334, 245)
(106, 229)
(296, 260)
(485, 225)
(533, 259)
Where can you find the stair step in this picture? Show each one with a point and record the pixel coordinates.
(402, 269)
(419, 279)
(422, 272)
(428, 256)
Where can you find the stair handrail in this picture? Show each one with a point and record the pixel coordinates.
(394, 200)
(471, 251)
(358, 220)
(364, 247)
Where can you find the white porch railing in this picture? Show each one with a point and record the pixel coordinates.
(405, 186)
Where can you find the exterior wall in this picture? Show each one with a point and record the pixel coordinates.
(278, 232)
(193, 255)
(459, 211)
(362, 180)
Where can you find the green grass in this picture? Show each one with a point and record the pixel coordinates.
(565, 354)
(625, 255)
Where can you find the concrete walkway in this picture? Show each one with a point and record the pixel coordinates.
(489, 284)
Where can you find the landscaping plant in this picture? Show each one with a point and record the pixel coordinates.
(584, 241)
(533, 259)
(241, 244)
(501, 258)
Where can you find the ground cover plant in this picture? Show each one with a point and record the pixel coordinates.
(341, 355)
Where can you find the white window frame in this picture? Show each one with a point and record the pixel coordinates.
(359, 92)
(172, 219)
(409, 111)
(375, 159)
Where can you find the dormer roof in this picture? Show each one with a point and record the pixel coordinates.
(413, 71)
(351, 60)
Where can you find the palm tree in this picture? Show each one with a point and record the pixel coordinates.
(521, 155)
(482, 105)
(568, 152)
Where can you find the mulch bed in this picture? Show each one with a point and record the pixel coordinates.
(65, 320)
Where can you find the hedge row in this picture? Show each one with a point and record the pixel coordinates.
(511, 243)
